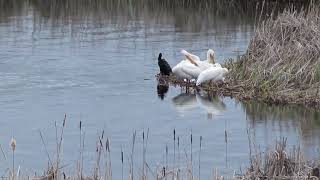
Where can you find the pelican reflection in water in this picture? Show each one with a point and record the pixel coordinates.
(185, 102)
(212, 104)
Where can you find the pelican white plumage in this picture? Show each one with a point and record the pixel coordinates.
(193, 66)
(212, 74)
(211, 58)
(194, 59)
(205, 64)
(188, 68)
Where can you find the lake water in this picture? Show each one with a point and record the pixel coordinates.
(99, 67)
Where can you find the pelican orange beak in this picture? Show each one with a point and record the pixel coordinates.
(191, 60)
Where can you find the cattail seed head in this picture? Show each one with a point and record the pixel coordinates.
(166, 149)
(102, 134)
(64, 120)
(13, 144)
(225, 136)
(121, 156)
(107, 145)
(101, 145)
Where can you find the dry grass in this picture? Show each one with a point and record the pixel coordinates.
(282, 63)
(280, 163)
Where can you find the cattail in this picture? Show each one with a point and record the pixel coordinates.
(143, 135)
(164, 171)
(225, 136)
(13, 144)
(121, 163)
(178, 142)
(107, 145)
(121, 156)
(167, 156)
(64, 120)
(101, 145)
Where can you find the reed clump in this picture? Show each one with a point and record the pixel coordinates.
(282, 63)
(281, 163)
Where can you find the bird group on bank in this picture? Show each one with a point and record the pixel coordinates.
(194, 69)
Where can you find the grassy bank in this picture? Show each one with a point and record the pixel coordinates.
(282, 63)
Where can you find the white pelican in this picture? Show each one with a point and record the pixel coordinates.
(212, 74)
(193, 66)
(205, 64)
(213, 106)
(187, 69)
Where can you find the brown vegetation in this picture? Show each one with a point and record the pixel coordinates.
(280, 163)
(282, 63)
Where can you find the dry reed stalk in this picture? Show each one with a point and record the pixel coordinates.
(4, 155)
(81, 146)
(13, 145)
(191, 159)
(121, 164)
(131, 173)
(108, 171)
(99, 149)
(280, 164)
(200, 146)
(145, 138)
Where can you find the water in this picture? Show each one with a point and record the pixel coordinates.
(99, 67)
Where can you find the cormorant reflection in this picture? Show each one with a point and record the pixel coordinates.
(162, 90)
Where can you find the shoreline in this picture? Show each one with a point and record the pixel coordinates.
(242, 92)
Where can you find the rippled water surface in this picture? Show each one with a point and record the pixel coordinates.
(99, 67)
